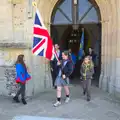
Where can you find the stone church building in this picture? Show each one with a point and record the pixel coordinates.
(64, 20)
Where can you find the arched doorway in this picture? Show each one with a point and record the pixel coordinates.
(109, 38)
(67, 20)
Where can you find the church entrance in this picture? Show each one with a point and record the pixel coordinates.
(68, 19)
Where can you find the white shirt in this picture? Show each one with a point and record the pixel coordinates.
(58, 53)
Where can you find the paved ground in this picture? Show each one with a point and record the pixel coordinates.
(101, 107)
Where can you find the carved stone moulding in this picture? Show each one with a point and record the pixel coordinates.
(16, 45)
(16, 1)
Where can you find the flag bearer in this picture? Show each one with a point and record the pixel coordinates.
(62, 80)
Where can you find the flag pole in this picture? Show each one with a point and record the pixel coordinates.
(34, 4)
(56, 56)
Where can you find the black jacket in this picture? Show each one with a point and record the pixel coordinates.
(54, 65)
(67, 69)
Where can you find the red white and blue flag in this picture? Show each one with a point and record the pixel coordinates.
(42, 42)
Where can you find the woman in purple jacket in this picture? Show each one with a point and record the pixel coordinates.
(21, 77)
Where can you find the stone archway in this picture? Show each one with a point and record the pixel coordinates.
(109, 33)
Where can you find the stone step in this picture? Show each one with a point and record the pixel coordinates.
(40, 118)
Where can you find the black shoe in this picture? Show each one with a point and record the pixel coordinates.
(84, 93)
(88, 99)
(55, 87)
(16, 99)
(24, 102)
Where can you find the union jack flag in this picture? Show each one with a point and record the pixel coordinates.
(42, 43)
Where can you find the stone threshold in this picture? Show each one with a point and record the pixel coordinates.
(40, 118)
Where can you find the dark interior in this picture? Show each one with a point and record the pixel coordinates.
(67, 38)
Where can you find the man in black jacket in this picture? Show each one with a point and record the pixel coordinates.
(54, 66)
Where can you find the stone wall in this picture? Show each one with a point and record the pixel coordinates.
(41, 77)
(16, 22)
(16, 26)
(6, 29)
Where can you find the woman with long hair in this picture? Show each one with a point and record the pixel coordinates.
(87, 71)
(62, 80)
(21, 77)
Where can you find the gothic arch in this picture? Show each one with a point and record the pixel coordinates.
(95, 8)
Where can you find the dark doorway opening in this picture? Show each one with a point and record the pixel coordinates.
(68, 38)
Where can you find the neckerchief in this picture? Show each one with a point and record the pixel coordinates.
(87, 67)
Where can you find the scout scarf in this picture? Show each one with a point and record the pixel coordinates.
(87, 67)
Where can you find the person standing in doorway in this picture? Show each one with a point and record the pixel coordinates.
(79, 63)
(87, 71)
(72, 56)
(62, 80)
(22, 77)
(54, 66)
(92, 55)
(73, 59)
